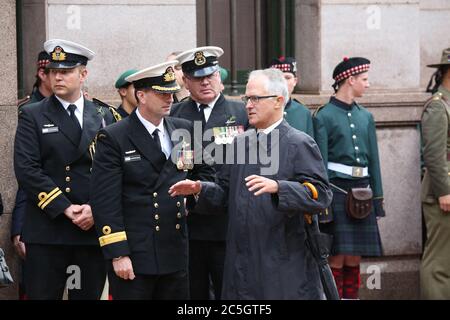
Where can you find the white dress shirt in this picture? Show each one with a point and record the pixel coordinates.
(166, 143)
(78, 111)
(207, 111)
(270, 129)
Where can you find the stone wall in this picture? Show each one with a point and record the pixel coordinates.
(434, 25)
(8, 116)
(124, 34)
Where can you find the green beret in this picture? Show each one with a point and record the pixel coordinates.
(121, 80)
(223, 74)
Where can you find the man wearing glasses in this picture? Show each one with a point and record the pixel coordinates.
(266, 255)
(224, 118)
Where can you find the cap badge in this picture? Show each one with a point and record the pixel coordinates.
(294, 66)
(58, 54)
(169, 75)
(199, 58)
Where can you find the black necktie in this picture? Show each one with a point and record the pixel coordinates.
(156, 138)
(202, 114)
(74, 118)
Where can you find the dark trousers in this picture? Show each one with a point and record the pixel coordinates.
(49, 267)
(206, 261)
(172, 286)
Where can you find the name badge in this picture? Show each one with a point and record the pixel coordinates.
(134, 157)
(47, 129)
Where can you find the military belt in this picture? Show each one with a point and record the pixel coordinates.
(357, 172)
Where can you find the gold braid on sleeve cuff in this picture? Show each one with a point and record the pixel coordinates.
(112, 238)
(45, 198)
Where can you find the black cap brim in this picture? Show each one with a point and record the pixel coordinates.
(204, 72)
(63, 65)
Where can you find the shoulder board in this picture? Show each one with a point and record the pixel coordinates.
(318, 109)
(100, 135)
(23, 101)
(298, 101)
(184, 99)
(112, 109)
(435, 97)
(115, 114)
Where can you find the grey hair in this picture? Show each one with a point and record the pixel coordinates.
(274, 82)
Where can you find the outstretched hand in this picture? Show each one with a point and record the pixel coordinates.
(185, 188)
(261, 185)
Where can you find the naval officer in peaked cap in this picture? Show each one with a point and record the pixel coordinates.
(53, 165)
(142, 230)
(226, 118)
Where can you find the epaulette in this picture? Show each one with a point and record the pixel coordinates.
(318, 109)
(298, 101)
(184, 99)
(115, 114)
(112, 109)
(23, 101)
(438, 96)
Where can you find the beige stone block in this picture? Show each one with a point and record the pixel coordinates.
(386, 33)
(123, 36)
(401, 229)
(307, 45)
(8, 94)
(434, 37)
(8, 185)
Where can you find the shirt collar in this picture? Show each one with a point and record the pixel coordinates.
(150, 126)
(211, 104)
(271, 128)
(342, 104)
(79, 103)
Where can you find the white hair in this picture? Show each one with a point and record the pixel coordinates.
(274, 82)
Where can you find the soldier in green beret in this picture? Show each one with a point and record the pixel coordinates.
(126, 92)
(435, 268)
(296, 114)
(345, 133)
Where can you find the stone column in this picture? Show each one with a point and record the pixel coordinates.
(8, 116)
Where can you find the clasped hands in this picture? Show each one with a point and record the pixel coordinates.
(81, 215)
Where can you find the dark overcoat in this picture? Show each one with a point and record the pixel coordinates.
(266, 255)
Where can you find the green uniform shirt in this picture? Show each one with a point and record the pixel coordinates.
(436, 146)
(346, 134)
(299, 117)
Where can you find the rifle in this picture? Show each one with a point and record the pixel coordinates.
(319, 244)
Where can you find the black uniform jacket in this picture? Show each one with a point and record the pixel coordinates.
(225, 112)
(54, 170)
(134, 214)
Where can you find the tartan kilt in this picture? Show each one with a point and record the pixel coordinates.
(352, 236)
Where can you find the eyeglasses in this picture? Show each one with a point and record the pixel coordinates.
(255, 99)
